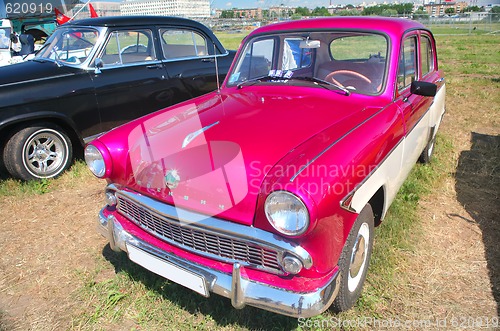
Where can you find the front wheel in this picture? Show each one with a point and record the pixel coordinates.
(38, 152)
(354, 260)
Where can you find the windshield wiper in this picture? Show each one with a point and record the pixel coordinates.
(260, 79)
(319, 82)
(322, 83)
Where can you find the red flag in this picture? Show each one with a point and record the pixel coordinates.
(92, 11)
(60, 17)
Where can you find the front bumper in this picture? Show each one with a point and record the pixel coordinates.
(233, 285)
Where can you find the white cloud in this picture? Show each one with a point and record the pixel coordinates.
(229, 4)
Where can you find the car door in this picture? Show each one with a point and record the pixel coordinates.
(189, 60)
(414, 107)
(131, 80)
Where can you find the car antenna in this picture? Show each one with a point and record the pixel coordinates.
(216, 68)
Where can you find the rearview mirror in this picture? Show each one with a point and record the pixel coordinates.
(309, 43)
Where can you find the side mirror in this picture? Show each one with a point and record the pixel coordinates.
(423, 88)
(98, 64)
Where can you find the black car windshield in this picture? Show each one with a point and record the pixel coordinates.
(69, 45)
(353, 61)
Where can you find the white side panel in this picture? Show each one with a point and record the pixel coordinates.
(438, 108)
(387, 174)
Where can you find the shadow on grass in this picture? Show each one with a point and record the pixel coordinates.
(478, 190)
(217, 307)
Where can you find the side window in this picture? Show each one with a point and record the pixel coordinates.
(295, 57)
(124, 47)
(407, 69)
(180, 43)
(427, 55)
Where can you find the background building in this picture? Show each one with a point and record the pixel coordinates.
(102, 8)
(105, 8)
(184, 8)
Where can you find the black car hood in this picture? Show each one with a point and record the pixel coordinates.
(32, 70)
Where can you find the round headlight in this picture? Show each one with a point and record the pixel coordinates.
(287, 213)
(95, 161)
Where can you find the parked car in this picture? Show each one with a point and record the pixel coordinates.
(94, 74)
(267, 191)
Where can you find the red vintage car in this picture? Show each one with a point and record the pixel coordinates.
(267, 191)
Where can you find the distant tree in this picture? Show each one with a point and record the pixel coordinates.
(320, 11)
(471, 9)
(403, 8)
(389, 12)
(449, 11)
(385, 10)
(227, 14)
(495, 11)
(421, 15)
(303, 11)
(348, 12)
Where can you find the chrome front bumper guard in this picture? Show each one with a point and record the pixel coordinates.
(234, 286)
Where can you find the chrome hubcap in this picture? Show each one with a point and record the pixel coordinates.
(358, 256)
(358, 260)
(44, 153)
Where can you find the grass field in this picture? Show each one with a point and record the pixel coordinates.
(112, 293)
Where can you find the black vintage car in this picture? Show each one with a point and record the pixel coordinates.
(95, 74)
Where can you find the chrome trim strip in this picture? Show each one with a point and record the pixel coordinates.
(190, 137)
(200, 222)
(240, 290)
(90, 138)
(37, 80)
(111, 66)
(208, 57)
(333, 144)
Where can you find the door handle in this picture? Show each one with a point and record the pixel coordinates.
(207, 59)
(154, 66)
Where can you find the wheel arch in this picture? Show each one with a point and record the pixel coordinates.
(8, 127)
(377, 202)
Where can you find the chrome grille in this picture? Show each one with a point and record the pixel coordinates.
(218, 246)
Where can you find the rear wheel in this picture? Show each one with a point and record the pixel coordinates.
(354, 260)
(37, 152)
(426, 155)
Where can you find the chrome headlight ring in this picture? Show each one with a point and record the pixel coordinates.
(287, 213)
(95, 161)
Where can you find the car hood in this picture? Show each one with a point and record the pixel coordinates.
(31, 71)
(212, 154)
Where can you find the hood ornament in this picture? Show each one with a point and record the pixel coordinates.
(172, 179)
(190, 137)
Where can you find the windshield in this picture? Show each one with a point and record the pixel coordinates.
(351, 60)
(69, 45)
(4, 38)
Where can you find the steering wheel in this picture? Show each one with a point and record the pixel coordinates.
(138, 48)
(355, 74)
